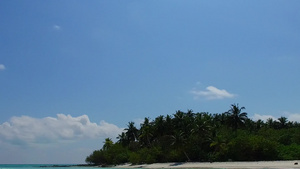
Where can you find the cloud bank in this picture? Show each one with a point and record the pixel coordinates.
(212, 93)
(2, 67)
(27, 130)
(290, 116)
(263, 117)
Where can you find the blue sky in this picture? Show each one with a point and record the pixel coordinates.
(75, 72)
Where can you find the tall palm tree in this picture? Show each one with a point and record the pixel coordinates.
(236, 116)
(108, 143)
(131, 132)
(145, 133)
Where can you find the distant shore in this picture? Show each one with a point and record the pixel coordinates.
(256, 165)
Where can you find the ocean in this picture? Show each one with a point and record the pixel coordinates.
(42, 166)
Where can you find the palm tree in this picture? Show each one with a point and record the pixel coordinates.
(190, 113)
(108, 143)
(159, 126)
(236, 116)
(201, 125)
(122, 139)
(183, 121)
(179, 120)
(131, 132)
(168, 125)
(145, 132)
(220, 119)
(259, 124)
(282, 122)
(270, 123)
(179, 140)
(220, 145)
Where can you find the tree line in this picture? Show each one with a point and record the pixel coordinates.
(189, 136)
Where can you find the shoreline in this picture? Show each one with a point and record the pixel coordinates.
(252, 164)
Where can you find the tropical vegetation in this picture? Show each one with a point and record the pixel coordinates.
(189, 136)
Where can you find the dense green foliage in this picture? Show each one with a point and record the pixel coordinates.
(188, 136)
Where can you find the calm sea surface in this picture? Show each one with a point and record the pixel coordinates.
(39, 166)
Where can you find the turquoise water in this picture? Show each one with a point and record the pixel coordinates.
(39, 166)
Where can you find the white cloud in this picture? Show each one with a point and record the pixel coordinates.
(52, 140)
(2, 67)
(212, 93)
(27, 130)
(290, 116)
(138, 122)
(56, 27)
(263, 117)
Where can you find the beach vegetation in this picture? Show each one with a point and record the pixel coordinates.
(201, 136)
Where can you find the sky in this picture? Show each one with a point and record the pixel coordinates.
(75, 72)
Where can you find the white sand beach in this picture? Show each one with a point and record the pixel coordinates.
(258, 164)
